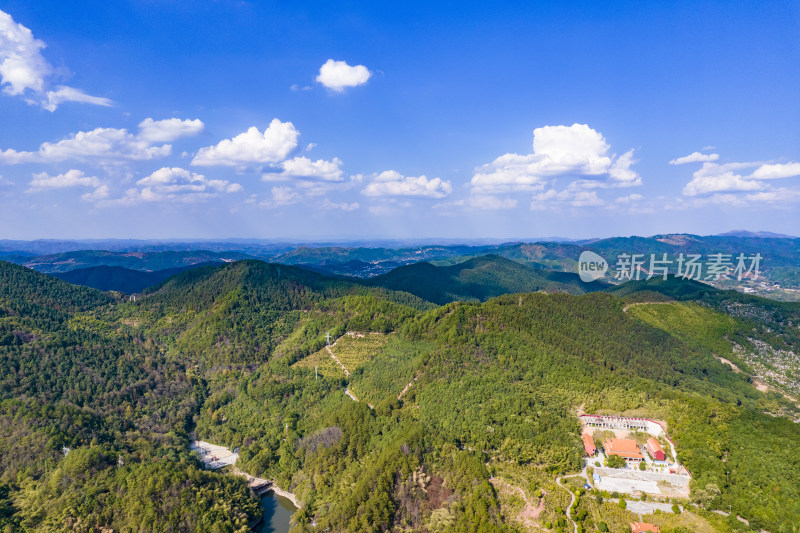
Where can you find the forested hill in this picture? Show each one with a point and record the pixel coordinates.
(120, 279)
(25, 294)
(479, 278)
(99, 401)
(240, 312)
(93, 424)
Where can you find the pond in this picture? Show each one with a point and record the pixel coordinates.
(277, 513)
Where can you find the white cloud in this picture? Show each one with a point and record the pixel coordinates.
(175, 184)
(338, 75)
(168, 130)
(72, 178)
(282, 196)
(305, 168)
(70, 94)
(621, 173)
(558, 151)
(714, 178)
(100, 193)
(776, 171)
(629, 199)
(109, 144)
(730, 183)
(392, 183)
(22, 65)
(572, 197)
(251, 147)
(694, 157)
(5, 184)
(24, 71)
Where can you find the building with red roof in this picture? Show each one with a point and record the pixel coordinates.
(654, 449)
(643, 527)
(625, 448)
(588, 444)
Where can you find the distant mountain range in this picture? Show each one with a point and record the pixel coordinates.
(144, 261)
(759, 234)
(780, 263)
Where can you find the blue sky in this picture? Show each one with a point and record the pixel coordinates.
(321, 120)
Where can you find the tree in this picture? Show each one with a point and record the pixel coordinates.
(615, 461)
(622, 504)
(676, 509)
(642, 466)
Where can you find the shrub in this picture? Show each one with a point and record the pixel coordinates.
(622, 504)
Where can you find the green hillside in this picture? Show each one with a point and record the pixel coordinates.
(488, 391)
(71, 380)
(478, 279)
(120, 279)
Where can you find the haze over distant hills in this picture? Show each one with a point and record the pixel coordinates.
(779, 264)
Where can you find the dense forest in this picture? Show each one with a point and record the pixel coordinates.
(101, 397)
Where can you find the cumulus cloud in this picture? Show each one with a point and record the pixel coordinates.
(694, 157)
(251, 147)
(100, 193)
(24, 70)
(392, 183)
(176, 184)
(728, 182)
(305, 168)
(72, 178)
(338, 75)
(108, 145)
(712, 178)
(576, 151)
(168, 130)
(776, 171)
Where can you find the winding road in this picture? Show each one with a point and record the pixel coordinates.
(569, 509)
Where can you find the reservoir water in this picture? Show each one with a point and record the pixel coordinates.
(277, 512)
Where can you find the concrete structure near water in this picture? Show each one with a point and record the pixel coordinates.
(214, 456)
